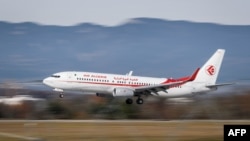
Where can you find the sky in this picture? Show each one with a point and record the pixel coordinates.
(114, 12)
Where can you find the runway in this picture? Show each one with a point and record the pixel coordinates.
(122, 130)
(121, 121)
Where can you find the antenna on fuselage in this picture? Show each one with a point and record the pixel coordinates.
(130, 73)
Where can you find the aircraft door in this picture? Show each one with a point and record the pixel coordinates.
(71, 76)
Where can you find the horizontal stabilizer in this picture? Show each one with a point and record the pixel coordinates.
(219, 85)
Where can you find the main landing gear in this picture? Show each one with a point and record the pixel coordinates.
(138, 101)
(129, 101)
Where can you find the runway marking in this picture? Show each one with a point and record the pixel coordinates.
(19, 137)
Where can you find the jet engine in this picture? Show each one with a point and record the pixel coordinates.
(126, 92)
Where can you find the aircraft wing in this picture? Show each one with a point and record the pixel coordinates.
(163, 87)
(157, 88)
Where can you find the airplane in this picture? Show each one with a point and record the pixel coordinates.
(202, 80)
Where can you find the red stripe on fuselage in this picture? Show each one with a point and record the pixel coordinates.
(112, 84)
(131, 85)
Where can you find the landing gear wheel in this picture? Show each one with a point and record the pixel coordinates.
(129, 101)
(61, 95)
(139, 101)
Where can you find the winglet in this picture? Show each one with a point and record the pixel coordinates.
(185, 79)
(193, 76)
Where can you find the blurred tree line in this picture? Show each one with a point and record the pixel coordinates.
(225, 106)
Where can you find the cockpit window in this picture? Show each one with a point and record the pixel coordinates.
(55, 76)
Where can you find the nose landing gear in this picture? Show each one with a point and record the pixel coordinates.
(59, 90)
(61, 95)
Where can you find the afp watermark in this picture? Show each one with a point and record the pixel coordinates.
(237, 132)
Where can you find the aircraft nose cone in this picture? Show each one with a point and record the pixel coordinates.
(47, 81)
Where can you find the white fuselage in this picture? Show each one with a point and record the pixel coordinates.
(106, 83)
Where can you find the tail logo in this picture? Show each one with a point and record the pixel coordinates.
(210, 70)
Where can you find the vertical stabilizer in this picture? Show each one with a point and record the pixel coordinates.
(210, 70)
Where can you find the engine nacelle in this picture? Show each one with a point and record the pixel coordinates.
(126, 92)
